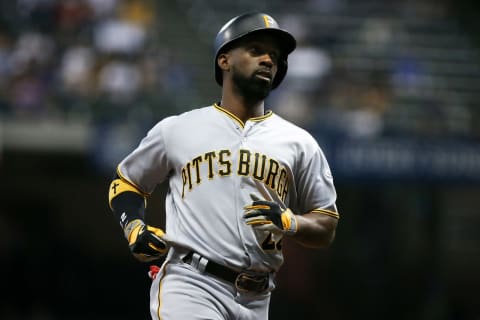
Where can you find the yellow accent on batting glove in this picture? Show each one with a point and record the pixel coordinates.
(146, 243)
(269, 216)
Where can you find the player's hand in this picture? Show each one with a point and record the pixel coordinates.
(146, 243)
(269, 216)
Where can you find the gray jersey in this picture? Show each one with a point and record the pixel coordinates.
(213, 163)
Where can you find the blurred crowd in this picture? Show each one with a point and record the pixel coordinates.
(375, 69)
(84, 58)
(104, 60)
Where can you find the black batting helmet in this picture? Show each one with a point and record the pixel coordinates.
(251, 23)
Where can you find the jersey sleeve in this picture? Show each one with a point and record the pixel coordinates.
(316, 189)
(148, 165)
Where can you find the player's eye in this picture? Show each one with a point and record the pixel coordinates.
(255, 50)
(274, 56)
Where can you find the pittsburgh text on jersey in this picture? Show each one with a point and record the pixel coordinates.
(214, 164)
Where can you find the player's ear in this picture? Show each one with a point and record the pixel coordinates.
(223, 61)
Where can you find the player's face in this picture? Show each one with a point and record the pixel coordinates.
(254, 66)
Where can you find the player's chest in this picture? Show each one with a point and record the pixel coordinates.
(234, 143)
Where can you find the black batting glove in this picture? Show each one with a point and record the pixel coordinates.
(269, 216)
(146, 243)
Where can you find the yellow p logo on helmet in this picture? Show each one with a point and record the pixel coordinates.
(268, 20)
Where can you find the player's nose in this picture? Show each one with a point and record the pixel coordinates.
(267, 60)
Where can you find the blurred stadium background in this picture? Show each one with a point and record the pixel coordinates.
(391, 90)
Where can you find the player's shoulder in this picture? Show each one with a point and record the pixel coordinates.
(193, 115)
(194, 112)
(290, 128)
(295, 136)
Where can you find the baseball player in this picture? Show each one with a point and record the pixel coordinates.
(241, 179)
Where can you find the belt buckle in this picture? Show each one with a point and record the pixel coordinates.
(246, 282)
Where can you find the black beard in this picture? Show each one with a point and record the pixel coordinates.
(252, 88)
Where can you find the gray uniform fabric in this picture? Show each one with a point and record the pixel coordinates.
(213, 162)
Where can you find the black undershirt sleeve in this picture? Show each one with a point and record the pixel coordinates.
(127, 207)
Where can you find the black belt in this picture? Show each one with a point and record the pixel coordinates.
(242, 281)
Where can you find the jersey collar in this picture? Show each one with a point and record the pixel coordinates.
(234, 117)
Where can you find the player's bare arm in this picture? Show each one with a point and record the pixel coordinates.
(316, 229)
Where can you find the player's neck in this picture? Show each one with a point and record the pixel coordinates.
(242, 110)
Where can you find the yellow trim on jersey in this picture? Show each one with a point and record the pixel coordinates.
(119, 186)
(261, 118)
(234, 117)
(228, 113)
(160, 288)
(130, 182)
(327, 212)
